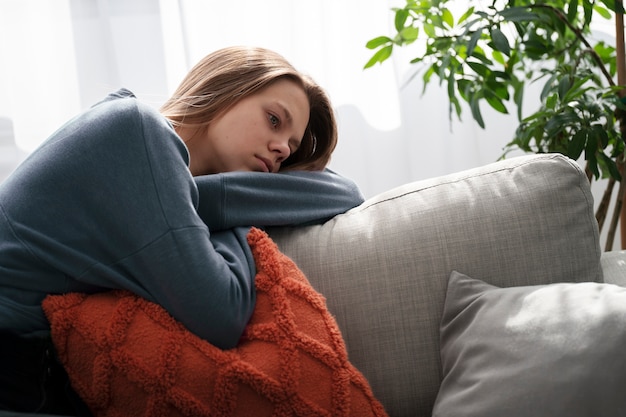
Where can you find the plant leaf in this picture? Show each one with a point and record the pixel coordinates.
(473, 41)
(576, 146)
(564, 86)
(475, 108)
(409, 34)
(572, 10)
(496, 103)
(464, 86)
(466, 15)
(429, 29)
(380, 56)
(610, 165)
(400, 19)
(547, 87)
(498, 57)
(518, 98)
(376, 42)
(601, 134)
(588, 9)
(602, 12)
(447, 17)
(518, 14)
(479, 68)
(500, 41)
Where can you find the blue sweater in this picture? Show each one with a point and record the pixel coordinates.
(107, 202)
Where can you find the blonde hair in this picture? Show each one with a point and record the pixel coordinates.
(224, 77)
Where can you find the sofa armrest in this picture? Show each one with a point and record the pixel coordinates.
(384, 266)
(614, 267)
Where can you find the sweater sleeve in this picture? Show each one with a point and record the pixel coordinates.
(203, 281)
(263, 199)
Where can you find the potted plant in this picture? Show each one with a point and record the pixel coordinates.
(491, 54)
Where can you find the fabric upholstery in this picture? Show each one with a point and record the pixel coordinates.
(532, 351)
(384, 266)
(126, 356)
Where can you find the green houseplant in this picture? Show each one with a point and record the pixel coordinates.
(490, 53)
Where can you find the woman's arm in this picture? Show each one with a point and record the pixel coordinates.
(204, 281)
(262, 199)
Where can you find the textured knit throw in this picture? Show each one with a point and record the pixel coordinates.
(126, 356)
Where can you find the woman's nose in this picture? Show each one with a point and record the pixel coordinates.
(281, 148)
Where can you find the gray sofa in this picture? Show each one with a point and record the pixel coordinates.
(387, 268)
(384, 268)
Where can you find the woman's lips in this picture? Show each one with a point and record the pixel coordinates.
(268, 165)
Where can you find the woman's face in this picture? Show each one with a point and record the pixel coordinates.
(256, 134)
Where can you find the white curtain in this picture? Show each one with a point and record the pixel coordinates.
(61, 56)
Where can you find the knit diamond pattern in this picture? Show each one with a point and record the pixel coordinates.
(126, 356)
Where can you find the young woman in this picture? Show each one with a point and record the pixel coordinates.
(159, 203)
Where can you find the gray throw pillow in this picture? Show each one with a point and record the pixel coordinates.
(545, 350)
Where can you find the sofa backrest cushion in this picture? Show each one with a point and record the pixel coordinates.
(384, 266)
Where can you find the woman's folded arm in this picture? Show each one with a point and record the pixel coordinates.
(288, 198)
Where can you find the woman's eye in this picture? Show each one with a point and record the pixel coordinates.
(274, 120)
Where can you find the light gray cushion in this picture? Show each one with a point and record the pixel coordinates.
(384, 266)
(532, 351)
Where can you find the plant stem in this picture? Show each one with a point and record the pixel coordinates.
(603, 207)
(616, 216)
(620, 52)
